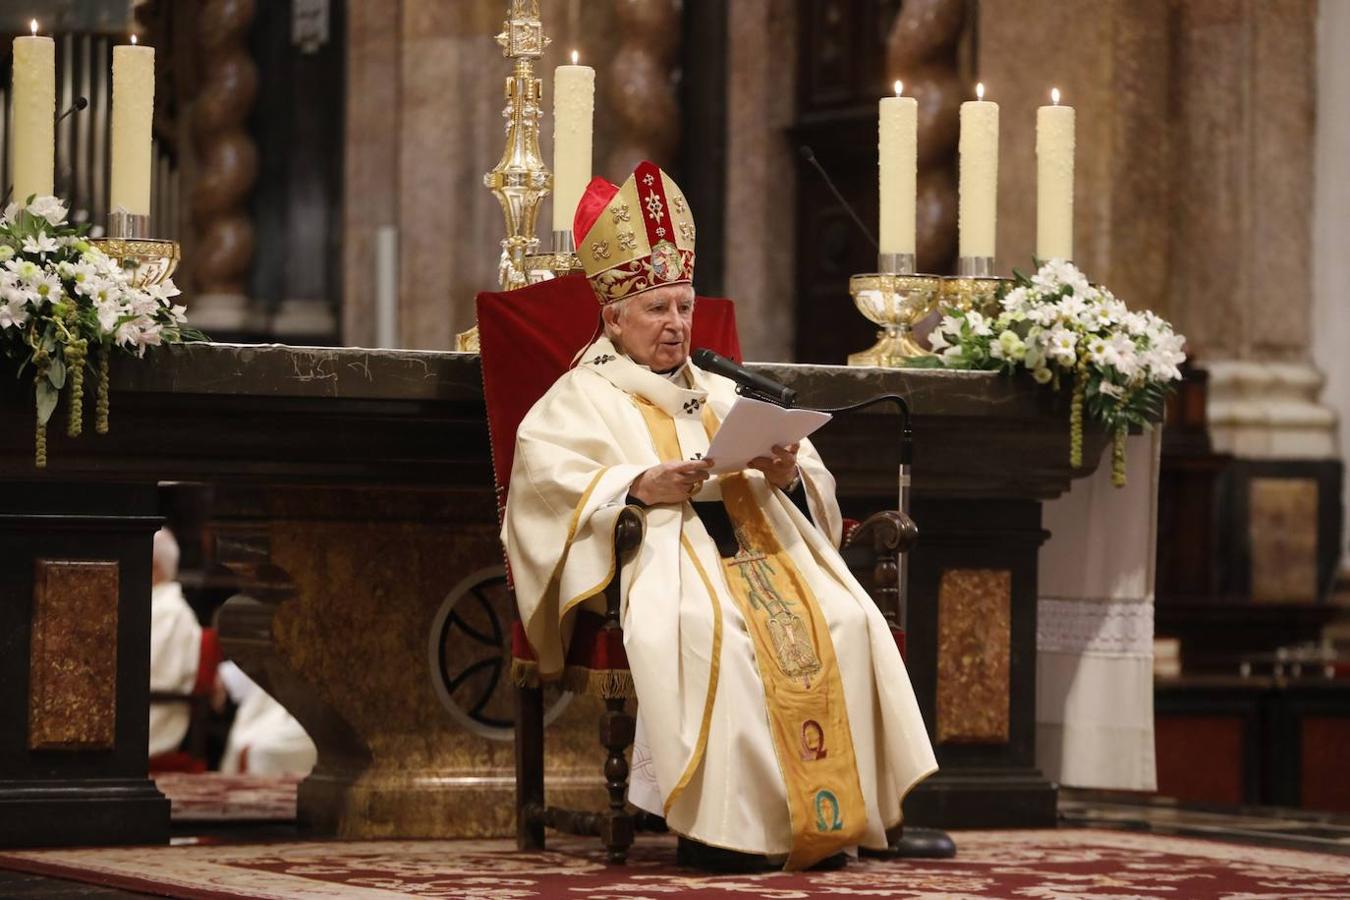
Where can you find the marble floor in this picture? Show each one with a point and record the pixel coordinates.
(1291, 829)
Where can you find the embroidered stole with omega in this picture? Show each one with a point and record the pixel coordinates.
(796, 661)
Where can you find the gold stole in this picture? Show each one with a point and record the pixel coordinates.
(796, 661)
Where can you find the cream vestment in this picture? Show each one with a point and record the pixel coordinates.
(775, 715)
(175, 651)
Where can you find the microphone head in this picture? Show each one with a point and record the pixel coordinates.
(703, 357)
(807, 153)
(81, 102)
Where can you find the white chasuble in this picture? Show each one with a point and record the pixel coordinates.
(775, 715)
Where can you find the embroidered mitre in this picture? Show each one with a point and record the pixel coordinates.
(636, 237)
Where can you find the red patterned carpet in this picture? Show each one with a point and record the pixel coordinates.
(1042, 865)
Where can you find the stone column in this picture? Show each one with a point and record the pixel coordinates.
(1195, 177)
(760, 207)
(424, 102)
(227, 166)
(922, 51)
(639, 82)
(1331, 223)
(1194, 180)
(370, 182)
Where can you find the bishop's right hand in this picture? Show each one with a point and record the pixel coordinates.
(671, 482)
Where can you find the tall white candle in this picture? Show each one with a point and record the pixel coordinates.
(34, 144)
(1054, 180)
(898, 159)
(573, 109)
(133, 109)
(978, 209)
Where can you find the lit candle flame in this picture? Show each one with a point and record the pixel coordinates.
(133, 40)
(979, 90)
(575, 57)
(1054, 96)
(899, 87)
(32, 26)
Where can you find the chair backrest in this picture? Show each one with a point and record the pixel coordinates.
(528, 338)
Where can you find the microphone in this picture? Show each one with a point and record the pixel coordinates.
(810, 156)
(751, 383)
(79, 104)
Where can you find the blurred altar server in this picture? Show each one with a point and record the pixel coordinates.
(264, 739)
(183, 655)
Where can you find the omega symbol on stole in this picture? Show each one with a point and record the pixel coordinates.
(813, 741)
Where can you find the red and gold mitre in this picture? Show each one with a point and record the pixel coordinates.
(636, 237)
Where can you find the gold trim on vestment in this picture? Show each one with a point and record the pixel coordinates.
(802, 686)
(554, 586)
(803, 690)
(662, 429)
(710, 699)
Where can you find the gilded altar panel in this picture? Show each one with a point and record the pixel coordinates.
(72, 687)
(974, 655)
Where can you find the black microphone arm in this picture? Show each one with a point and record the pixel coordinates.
(906, 458)
(810, 156)
(751, 384)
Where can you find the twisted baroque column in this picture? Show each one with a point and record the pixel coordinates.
(227, 165)
(640, 85)
(921, 51)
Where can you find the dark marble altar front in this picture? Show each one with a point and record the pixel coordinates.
(353, 499)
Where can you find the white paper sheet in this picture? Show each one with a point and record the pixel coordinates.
(753, 427)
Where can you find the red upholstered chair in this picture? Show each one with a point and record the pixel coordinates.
(528, 339)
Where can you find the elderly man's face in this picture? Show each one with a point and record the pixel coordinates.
(654, 328)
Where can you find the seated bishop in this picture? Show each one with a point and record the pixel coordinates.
(775, 716)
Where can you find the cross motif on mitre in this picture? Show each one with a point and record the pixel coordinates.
(654, 206)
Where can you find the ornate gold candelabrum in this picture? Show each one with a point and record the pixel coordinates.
(521, 179)
(974, 287)
(146, 260)
(897, 299)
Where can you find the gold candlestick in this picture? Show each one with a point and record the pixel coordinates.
(521, 179)
(974, 289)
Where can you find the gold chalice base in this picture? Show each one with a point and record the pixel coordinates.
(897, 303)
(147, 261)
(968, 293)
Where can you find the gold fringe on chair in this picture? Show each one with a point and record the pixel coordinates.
(524, 672)
(608, 684)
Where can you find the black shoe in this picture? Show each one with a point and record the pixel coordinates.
(691, 854)
(830, 863)
(915, 843)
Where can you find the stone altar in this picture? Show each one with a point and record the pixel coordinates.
(353, 497)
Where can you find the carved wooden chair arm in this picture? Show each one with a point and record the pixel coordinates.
(872, 553)
(627, 538)
(889, 531)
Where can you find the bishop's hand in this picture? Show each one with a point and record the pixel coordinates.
(780, 467)
(672, 482)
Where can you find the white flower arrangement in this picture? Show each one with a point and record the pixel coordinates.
(60, 298)
(1056, 326)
